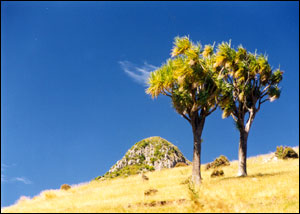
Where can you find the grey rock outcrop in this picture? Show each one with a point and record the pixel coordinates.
(153, 153)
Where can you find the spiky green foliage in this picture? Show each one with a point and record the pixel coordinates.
(246, 81)
(187, 78)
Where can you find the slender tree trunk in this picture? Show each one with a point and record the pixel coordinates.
(197, 126)
(243, 153)
(244, 133)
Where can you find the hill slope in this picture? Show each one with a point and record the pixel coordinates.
(272, 186)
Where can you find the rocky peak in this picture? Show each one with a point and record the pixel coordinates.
(153, 153)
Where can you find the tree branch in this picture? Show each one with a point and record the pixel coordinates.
(245, 103)
(234, 117)
(212, 110)
(246, 82)
(169, 91)
(250, 120)
(268, 86)
(261, 102)
(165, 93)
(188, 119)
(263, 95)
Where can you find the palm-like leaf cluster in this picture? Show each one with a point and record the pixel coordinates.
(194, 77)
(245, 79)
(187, 78)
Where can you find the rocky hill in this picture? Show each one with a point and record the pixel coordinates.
(153, 153)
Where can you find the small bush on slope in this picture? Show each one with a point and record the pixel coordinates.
(217, 173)
(218, 162)
(65, 187)
(285, 152)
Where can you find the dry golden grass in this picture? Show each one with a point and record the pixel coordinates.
(271, 186)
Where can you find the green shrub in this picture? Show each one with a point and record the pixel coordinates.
(158, 154)
(218, 162)
(98, 177)
(129, 170)
(142, 144)
(142, 158)
(153, 160)
(217, 173)
(285, 152)
(150, 168)
(158, 146)
(65, 187)
(279, 152)
(171, 151)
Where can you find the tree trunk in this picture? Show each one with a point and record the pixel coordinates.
(197, 126)
(244, 132)
(243, 153)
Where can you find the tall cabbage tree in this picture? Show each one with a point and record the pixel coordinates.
(187, 78)
(247, 81)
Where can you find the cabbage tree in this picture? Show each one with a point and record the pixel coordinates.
(187, 78)
(246, 81)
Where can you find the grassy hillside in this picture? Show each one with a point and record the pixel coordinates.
(272, 186)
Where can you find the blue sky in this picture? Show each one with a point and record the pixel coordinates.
(72, 84)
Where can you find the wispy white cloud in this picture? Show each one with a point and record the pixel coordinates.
(5, 179)
(138, 74)
(21, 179)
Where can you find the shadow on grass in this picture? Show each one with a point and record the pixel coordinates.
(257, 175)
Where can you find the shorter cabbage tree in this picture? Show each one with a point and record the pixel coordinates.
(246, 81)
